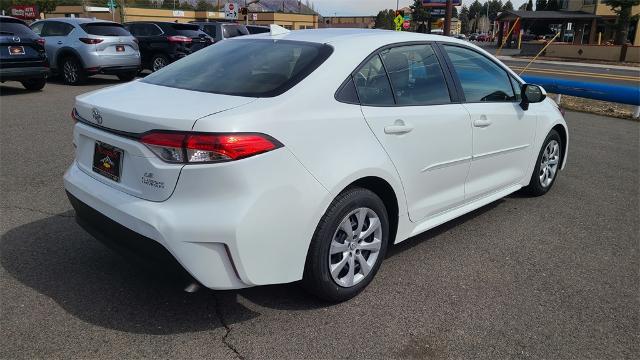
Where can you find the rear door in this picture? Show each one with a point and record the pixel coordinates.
(503, 133)
(416, 119)
(55, 34)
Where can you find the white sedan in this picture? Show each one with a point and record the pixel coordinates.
(304, 155)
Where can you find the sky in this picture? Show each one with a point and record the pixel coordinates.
(370, 7)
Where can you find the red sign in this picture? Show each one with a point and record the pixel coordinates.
(231, 7)
(24, 12)
(406, 25)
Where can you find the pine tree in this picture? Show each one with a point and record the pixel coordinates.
(529, 5)
(623, 9)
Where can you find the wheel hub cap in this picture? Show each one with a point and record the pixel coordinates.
(355, 247)
(549, 163)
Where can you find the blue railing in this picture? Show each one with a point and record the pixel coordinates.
(624, 94)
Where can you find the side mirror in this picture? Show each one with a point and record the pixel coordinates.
(531, 94)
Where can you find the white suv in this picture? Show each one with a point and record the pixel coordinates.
(303, 155)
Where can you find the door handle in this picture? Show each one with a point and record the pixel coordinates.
(482, 123)
(398, 128)
(59, 42)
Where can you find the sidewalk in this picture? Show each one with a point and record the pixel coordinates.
(570, 63)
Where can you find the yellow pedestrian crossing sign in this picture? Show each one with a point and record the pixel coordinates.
(399, 20)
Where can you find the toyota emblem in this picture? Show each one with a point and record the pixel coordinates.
(16, 39)
(96, 115)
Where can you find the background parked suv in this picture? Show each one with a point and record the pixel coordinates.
(80, 47)
(162, 43)
(22, 55)
(221, 30)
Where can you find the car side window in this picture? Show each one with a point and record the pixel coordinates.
(517, 88)
(210, 30)
(56, 28)
(152, 30)
(372, 83)
(132, 28)
(416, 75)
(37, 28)
(482, 80)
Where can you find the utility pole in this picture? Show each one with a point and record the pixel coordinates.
(447, 19)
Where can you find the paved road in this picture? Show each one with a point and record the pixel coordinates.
(551, 277)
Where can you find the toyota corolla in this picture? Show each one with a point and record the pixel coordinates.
(304, 155)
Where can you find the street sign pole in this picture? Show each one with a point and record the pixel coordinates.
(447, 19)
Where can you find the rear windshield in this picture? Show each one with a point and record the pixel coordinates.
(254, 68)
(9, 27)
(105, 29)
(229, 31)
(187, 30)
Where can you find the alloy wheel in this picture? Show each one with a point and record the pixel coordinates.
(70, 72)
(355, 247)
(549, 163)
(158, 63)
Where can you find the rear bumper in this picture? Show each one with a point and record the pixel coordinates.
(127, 242)
(112, 70)
(23, 73)
(230, 225)
(95, 60)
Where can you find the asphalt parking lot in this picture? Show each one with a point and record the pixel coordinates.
(551, 277)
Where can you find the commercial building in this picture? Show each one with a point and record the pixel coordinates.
(360, 22)
(289, 20)
(602, 27)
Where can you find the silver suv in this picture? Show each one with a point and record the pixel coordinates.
(80, 47)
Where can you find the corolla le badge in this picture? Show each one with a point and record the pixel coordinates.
(96, 116)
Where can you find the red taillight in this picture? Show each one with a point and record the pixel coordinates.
(91, 41)
(40, 41)
(205, 148)
(179, 39)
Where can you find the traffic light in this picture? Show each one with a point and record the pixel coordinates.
(244, 11)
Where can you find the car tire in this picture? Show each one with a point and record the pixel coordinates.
(336, 269)
(72, 71)
(547, 167)
(128, 76)
(158, 61)
(34, 84)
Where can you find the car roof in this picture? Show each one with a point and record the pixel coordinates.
(77, 20)
(341, 36)
(13, 19)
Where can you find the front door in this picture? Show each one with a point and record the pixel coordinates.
(503, 133)
(427, 137)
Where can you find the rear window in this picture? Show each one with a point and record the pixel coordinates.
(187, 30)
(229, 31)
(105, 29)
(258, 29)
(254, 68)
(10, 27)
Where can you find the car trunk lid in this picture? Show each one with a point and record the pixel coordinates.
(112, 121)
